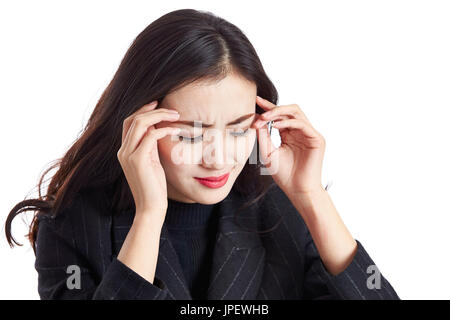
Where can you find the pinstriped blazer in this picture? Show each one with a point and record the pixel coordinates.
(281, 264)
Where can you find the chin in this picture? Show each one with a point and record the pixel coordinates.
(213, 196)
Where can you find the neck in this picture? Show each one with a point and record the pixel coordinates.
(184, 214)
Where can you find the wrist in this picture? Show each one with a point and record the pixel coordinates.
(149, 218)
(311, 203)
(309, 195)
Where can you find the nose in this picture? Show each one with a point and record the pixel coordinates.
(216, 155)
(214, 159)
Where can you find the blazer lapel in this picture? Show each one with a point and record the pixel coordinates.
(169, 269)
(238, 257)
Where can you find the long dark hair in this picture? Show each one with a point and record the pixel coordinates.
(179, 47)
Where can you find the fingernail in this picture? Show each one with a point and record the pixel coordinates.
(173, 111)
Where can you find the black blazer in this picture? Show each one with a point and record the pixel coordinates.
(281, 264)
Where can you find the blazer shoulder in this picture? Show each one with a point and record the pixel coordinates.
(83, 207)
(81, 230)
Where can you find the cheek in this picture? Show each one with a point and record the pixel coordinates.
(174, 171)
(251, 140)
(164, 147)
(176, 155)
(248, 142)
(165, 151)
(244, 147)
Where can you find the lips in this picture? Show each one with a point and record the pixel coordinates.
(218, 178)
(214, 182)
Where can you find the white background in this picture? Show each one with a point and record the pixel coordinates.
(372, 76)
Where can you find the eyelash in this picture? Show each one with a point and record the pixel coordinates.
(194, 140)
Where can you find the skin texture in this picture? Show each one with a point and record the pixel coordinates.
(221, 151)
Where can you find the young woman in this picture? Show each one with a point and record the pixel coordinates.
(163, 195)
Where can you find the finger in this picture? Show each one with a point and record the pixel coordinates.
(127, 138)
(152, 136)
(265, 104)
(290, 111)
(146, 108)
(130, 120)
(141, 124)
(127, 122)
(300, 124)
(266, 145)
(260, 122)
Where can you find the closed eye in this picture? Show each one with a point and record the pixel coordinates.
(239, 133)
(191, 140)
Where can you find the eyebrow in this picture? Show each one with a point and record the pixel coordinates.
(204, 125)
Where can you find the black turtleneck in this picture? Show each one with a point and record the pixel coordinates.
(192, 228)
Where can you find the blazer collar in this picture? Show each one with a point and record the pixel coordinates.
(238, 257)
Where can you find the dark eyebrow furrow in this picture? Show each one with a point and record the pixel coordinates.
(238, 120)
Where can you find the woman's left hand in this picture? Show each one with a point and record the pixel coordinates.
(296, 165)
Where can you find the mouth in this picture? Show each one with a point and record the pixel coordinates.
(214, 182)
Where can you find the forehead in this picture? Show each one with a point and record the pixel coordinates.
(228, 98)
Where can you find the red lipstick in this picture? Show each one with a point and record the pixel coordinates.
(214, 182)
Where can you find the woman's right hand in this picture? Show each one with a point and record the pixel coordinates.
(139, 158)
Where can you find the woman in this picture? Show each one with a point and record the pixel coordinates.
(162, 196)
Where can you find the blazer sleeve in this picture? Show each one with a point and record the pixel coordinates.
(355, 282)
(56, 250)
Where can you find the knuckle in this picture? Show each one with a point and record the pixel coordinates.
(133, 159)
(151, 133)
(126, 121)
(138, 121)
